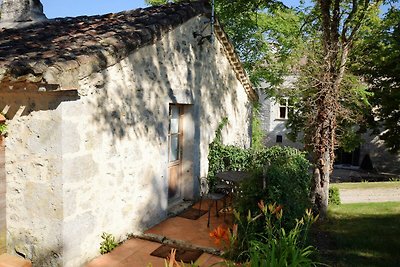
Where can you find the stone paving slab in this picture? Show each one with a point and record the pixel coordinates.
(135, 252)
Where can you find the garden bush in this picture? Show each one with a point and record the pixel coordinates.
(334, 196)
(279, 174)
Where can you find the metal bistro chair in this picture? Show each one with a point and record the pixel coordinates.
(212, 197)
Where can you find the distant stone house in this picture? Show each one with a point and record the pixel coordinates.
(109, 120)
(274, 115)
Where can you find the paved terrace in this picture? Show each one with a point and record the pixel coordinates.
(182, 232)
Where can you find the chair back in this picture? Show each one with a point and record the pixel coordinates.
(203, 183)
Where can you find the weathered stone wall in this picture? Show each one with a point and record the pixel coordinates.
(381, 159)
(34, 184)
(271, 124)
(100, 164)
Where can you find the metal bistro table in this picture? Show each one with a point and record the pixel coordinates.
(233, 178)
(231, 181)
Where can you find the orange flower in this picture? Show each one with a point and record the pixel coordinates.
(219, 233)
(235, 230)
(171, 261)
(261, 205)
(278, 212)
(278, 209)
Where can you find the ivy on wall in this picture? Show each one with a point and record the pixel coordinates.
(231, 158)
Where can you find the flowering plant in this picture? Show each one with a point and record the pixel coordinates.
(273, 245)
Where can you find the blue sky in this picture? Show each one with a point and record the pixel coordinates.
(73, 8)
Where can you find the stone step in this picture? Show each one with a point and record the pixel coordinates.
(179, 243)
(7, 260)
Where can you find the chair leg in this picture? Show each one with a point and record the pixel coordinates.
(209, 213)
(225, 208)
(201, 199)
(216, 208)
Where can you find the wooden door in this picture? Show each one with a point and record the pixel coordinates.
(175, 138)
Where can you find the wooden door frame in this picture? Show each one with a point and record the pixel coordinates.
(176, 163)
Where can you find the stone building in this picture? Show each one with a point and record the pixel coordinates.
(109, 119)
(273, 117)
(372, 153)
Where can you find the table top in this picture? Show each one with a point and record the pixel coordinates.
(233, 176)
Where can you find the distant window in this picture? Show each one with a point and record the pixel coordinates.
(285, 106)
(279, 138)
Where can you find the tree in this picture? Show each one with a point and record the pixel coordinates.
(380, 42)
(338, 22)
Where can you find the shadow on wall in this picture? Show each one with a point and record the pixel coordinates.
(130, 103)
(21, 104)
(132, 99)
(140, 92)
(382, 159)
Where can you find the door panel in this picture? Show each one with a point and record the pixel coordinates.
(175, 137)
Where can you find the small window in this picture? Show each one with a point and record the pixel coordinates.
(279, 139)
(285, 105)
(282, 112)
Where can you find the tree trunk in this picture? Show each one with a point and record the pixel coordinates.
(338, 34)
(320, 192)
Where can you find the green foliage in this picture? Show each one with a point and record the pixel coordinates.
(223, 158)
(352, 112)
(3, 129)
(108, 243)
(272, 244)
(280, 174)
(283, 178)
(334, 196)
(265, 35)
(157, 2)
(376, 58)
(258, 134)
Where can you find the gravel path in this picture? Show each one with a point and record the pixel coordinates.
(369, 195)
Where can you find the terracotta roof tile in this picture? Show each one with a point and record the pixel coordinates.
(42, 53)
(26, 53)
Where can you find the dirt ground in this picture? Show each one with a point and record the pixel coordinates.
(369, 195)
(365, 195)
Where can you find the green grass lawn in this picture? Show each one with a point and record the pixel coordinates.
(361, 234)
(366, 185)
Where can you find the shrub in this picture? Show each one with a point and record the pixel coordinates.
(108, 243)
(285, 180)
(334, 196)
